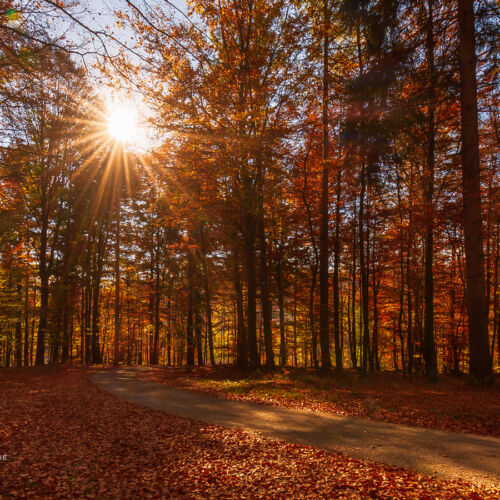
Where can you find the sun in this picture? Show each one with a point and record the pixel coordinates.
(123, 123)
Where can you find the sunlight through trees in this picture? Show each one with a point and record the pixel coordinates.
(258, 183)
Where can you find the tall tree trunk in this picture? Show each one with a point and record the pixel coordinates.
(401, 309)
(190, 341)
(19, 330)
(409, 333)
(429, 343)
(82, 322)
(198, 324)
(265, 298)
(477, 308)
(43, 270)
(324, 336)
(394, 348)
(375, 286)
(242, 346)
(401, 274)
(496, 314)
(314, 273)
(26, 321)
(364, 272)
(295, 321)
(210, 333)
(44, 293)
(208, 299)
(117, 355)
(253, 352)
(336, 264)
(369, 345)
(66, 307)
(453, 323)
(8, 349)
(156, 304)
(96, 292)
(353, 346)
(42, 322)
(312, 316)
(88, 318)
(169, 332)
(281, 305)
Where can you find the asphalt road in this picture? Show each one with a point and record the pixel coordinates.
(448, 455)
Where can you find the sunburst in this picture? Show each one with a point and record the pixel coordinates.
(123, 123)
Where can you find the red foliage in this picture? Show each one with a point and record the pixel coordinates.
(66, 439)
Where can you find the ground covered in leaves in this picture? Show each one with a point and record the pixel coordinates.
(66, 439)
(448, 404)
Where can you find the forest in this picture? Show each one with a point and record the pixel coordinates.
(249, 249)
(264, 183)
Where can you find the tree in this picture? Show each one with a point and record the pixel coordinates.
(324, 328)
(477, 308)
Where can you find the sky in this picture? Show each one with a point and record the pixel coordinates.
(99, 14)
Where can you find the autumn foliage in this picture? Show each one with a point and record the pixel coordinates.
(94, 445)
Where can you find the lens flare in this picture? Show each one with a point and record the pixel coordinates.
(123, 123)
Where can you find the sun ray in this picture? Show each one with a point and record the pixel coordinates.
(123, 123)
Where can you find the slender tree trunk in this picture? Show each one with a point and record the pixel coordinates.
(394, 348)
(312, 316)
(242, 347)
(364, 272)
(354, 357)
(281, 305)
(157, 324)
(82, 322)
(264, 290)
(198, 325)
(496, 314)
(96, 311)
(88, 317)
(401, 311)
(375, 285)
(336, 292)
(26, 321)
(477, 308)
(418, 332)
(370, 346)
(401, 273)
(208, 299)
(409, 333)
(295, 321)
(8, 349)
(155, 359)
(190, 341)
(42, 322)
(19, 330)
(429, 343)
(66, 306)
(43, 273)
(453, 323)
(44, 299)
(96, 294)
(324, 334)
(117, 354)
(169, 333)
(254, 360)
(71, 332)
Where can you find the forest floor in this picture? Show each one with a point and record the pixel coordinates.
(62, 437)
(449, 455)
(448, 404)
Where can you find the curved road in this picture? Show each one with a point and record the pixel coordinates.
(449, 455)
